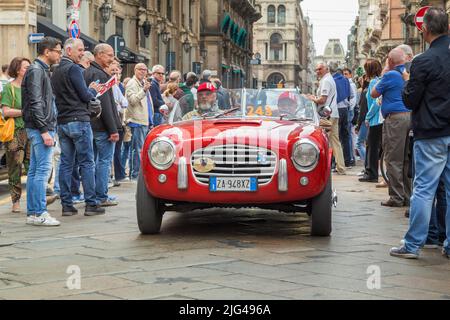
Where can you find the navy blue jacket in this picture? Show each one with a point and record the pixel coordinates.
(155, 92)
(427, 93)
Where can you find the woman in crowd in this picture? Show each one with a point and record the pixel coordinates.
(374, 120)
(17, 150)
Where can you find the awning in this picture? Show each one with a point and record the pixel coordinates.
(49, 29)
(130, 56)
(226, 23)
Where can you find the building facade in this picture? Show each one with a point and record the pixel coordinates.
(333, 53)
(226, 33)
(384, 24)
(281, 44)
(163, 32)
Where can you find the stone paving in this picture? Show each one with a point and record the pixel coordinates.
(219, 254)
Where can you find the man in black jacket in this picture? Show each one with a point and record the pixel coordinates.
(39, 115)
(106, 127)
(427, 94)
(74, 127)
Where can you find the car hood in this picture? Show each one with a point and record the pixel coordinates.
(261, 132)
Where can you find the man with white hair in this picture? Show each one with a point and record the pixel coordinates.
(409, 55)
(74, 128)
(327, 97)
(396, 128)
(86, 59)
(158, 72)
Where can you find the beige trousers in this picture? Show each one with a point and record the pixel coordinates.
(335, 144)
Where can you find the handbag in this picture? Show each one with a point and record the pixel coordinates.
(7, 127)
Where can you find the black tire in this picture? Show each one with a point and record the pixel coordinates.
(148, 211)
(321, 210)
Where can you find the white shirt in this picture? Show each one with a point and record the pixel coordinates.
(121, 101)
(353, 95)
(327, 87)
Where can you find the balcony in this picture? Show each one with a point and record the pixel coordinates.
(246, 9)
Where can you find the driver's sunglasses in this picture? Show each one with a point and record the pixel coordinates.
(160, 73)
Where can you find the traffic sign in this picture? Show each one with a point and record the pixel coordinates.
(117, 42)
(35, 37)
(74, 30)
(76, 3)
(418, 19)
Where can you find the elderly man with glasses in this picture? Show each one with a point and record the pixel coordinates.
(158, 72)
(139, 115)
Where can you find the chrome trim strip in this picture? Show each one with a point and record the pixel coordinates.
(182, 174)
(283, 176)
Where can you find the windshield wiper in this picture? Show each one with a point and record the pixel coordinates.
(227, 112)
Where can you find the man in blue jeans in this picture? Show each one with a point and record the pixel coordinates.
(139, 115)
(427, 95)
(39, 115)
(74, 128)
(106, 127)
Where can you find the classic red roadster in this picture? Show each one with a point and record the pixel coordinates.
(255, 148)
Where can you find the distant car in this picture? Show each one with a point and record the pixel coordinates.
(267, 151)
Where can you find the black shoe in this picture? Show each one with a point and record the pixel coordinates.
(94, 211)
(392, 204)
(407, 213)
(69, 211)
(366, 178)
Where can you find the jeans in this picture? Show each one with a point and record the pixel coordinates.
(137, 142)
(76, 178)
(103, 151)
(38, 173)
(126, 156)
(119, 168)
(344, 134)
(157, 118)
(76, 143)
(436, 232)
(432, 163)
(361, 143)
(351, 113)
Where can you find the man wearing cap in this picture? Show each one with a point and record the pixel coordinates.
(207, 101)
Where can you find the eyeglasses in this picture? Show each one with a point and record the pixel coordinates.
(161, 73)
(56, 50)
(142, 69)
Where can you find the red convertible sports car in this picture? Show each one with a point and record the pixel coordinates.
(247, 148)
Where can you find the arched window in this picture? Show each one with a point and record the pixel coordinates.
(276, 47)
(274, 79)
(271, 14)
(281, 15)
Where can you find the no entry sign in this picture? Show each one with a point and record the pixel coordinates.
(418, 20)
(74, 30)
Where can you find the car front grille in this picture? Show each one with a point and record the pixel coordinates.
(236, 161)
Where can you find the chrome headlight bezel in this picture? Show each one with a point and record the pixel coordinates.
(308, 167)
(158, 142)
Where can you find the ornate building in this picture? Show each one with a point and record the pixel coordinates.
(334, 52)
(166, 32)
(281, 43)
(384, 24)
(226, 39)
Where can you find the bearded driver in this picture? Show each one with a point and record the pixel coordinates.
(207, 102)
(288, 104)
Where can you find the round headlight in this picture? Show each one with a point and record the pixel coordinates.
(305, 155)
(162, 153)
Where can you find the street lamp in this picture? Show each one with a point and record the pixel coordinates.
(204, 52)
(186, 44)
(147, 28)
(105, 11)
(165, 36)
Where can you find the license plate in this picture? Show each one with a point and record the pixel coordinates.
(235, 184)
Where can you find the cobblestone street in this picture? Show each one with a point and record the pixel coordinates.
(219, 254)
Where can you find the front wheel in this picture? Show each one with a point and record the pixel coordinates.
(321, 212)
(149, 213)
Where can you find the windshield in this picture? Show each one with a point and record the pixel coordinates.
(281, 104)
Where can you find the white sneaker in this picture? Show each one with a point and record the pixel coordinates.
(31, 220)
(46, 220)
